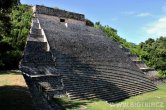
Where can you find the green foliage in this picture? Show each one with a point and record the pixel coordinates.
(6, 5)
(162, 74)
(5, 25)
(154, 53)
(14, 29)
(21, 17)
(11, 58)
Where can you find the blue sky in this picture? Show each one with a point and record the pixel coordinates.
(135, 20)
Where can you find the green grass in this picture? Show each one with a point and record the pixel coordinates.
(14, 94)
(155, 100)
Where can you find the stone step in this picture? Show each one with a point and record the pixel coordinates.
(127, 53)
(112, 91)
(35, 39)
(45, 76)
(107, 93)
(35, 25)
(73, 97)
(107, 79)
(36, 36)
(124, 49)
(35, 20)
(122, 73)
(140, 64)
(94, 62)
(110, 88)
(96, 65)
(151, 73)
(40, 57)
(33, 46)
(116, 83)
(114, 80)
(106, 75)
(128, 89)
(54, 93)
(147, 69)
(107, 96)
(111, 78)
(133, 57)
(36, 31)
(101, 96)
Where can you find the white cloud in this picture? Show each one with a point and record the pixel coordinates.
(128, 12)
(143, 14)
(157, 28)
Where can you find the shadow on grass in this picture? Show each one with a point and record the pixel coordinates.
(15, 98)
(67, 103)
(2, 72)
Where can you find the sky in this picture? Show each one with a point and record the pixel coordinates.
(135, 20)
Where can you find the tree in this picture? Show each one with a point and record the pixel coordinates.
(6, 5)
(5, 9)
(13, 34)
(154, 53)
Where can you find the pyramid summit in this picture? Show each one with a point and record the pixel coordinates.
(58, 12)
(64, 56)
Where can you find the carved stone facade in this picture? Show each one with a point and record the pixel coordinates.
(58, 12)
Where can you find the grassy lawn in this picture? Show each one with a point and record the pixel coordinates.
(14, 94)
(155, 100)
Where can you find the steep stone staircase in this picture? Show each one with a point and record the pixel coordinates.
(39, 71)
(79, 61)
(150, 72)
(87, 77)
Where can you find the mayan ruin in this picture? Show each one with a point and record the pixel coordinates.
(65, 56)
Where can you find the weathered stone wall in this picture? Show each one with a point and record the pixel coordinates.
(59, 13)
(72, 21)
(67, 20)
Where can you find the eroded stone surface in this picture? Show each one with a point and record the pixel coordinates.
(82, 62)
